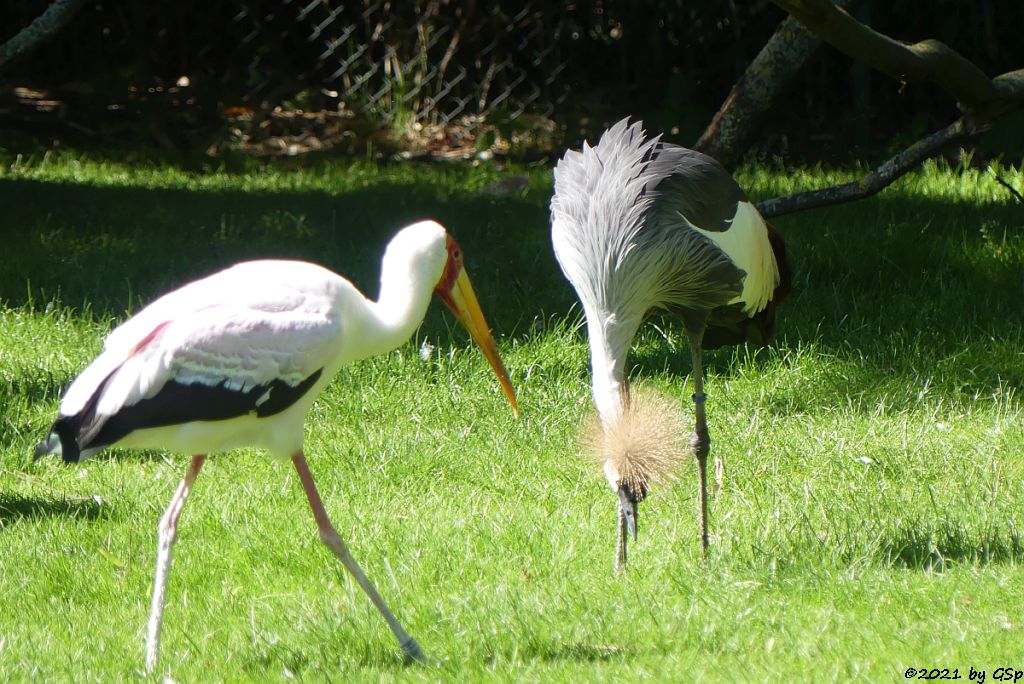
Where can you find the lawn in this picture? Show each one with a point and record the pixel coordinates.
(870, 522)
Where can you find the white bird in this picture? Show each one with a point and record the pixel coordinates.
(641, 225)
(237, 359)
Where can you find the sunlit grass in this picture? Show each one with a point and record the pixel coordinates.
(870, 520)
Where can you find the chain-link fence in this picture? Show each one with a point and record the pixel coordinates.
(418, 62)
(188, 70)
(426, 62)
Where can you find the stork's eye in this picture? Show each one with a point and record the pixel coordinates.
(456, 253)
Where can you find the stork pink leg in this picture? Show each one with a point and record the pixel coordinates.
(167, 533)
(330, 537)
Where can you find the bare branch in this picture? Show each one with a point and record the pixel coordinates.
(961, 129)
(767, 77)
(929, 60)
(1010, 188)
(56, 16)
(984, 100)
(774, 67)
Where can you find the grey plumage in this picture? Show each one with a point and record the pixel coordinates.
(621, 214)
(639, 224)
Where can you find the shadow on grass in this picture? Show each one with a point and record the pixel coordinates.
(926, 546)
(112, 249)
(14, 508)
(585, 653)
(39, 388)
(896, 287)
(579, 652)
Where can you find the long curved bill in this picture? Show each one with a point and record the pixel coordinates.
(461, 299)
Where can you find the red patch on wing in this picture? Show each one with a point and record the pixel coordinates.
(144, 342)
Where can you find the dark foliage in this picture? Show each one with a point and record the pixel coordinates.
(118, 68)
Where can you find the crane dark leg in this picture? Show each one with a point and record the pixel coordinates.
(167, 533)
(701, 442)
(620, 542)
(330, 537)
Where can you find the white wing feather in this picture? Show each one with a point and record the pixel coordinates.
(747, 245)
(245, 326)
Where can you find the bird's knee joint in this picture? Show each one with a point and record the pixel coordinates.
(701, 444)
(166, 531)
(333, 541)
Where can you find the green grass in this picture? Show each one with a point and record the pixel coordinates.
(871, 518)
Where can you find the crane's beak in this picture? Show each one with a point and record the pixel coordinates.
(629, 510)
(461, 299)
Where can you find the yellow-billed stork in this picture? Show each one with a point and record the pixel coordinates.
(237, 359)
(640, 225)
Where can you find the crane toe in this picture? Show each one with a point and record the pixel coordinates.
(412, 651)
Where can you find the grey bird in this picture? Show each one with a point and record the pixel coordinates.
(640, 225)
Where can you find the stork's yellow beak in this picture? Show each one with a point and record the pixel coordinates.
(461, 299)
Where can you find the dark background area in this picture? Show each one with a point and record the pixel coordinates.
(538, 72)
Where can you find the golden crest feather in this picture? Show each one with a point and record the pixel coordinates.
(646, 445)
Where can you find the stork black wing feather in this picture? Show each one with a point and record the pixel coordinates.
(174, 404)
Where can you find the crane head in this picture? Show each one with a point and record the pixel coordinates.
(456, 291)
(642, 446)
(630, 492)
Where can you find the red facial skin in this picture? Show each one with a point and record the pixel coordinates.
(451, 272)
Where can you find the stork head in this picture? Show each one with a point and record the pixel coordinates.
(640, 447)
(437, 258)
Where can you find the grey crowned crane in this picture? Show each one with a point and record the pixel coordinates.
(641, 225)
(237, 359)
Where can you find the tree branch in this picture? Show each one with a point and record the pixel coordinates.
(880, 178)
(764, 80)
(982, 99)
(56, 16)
(928, 60)
(1012, 190)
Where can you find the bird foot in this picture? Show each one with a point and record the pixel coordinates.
(412, 651)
